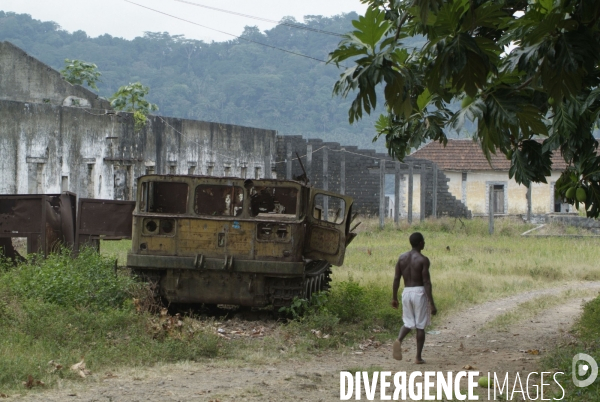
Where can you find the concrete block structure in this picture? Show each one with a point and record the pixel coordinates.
(356, 172)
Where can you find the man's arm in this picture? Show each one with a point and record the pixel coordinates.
(427, 285)
(396, 285)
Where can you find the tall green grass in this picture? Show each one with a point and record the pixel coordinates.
(469, 266)
(61, 309)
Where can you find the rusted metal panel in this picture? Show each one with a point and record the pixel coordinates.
(328, 226)
(68, 213)
(46, 220)
(97, 218)
(182, 286)
(20, 214)
(324, 240)
(215, 264)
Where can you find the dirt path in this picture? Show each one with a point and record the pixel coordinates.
(319, 380)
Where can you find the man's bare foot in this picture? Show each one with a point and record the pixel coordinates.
(397, 350)
(421, 361)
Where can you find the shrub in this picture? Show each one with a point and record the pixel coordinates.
(86, 281)
(347, 300)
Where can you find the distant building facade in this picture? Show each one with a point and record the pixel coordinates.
(472, 177)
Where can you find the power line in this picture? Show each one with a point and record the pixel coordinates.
(226, 33)
(288, 24)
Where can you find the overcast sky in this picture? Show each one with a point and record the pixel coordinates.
(123, 19)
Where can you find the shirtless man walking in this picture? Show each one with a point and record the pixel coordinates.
(417, 297)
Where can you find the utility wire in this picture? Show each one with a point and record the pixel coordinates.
(226, 33)
(288, 24)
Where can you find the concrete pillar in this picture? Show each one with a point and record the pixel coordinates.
(343, 172)
(325, 182)
(308, 166)
(267, 169)
(396, 191)
(288, 161)
(491, 208)
(423, 192)
(381, 193)
(410, 191)
(529, 203)
(434, 195)
(464, 188)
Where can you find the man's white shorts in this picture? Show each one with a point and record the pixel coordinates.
(415, 307)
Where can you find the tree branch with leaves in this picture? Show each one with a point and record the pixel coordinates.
(131, 98)
(78, 72)
(527, 73)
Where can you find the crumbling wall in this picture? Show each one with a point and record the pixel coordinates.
(96, 153)
(360, 178)
(26, 79)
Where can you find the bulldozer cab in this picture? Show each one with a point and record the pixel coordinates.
(328, 223)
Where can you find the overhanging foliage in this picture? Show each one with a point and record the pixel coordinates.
(522, 70)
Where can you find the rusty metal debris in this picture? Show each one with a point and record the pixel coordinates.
(46, 220)
(51, 221)
(102, 219)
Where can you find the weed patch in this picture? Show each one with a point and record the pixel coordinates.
(61, 309)
(87, 281)
(587, 331)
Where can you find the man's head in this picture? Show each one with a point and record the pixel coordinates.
(417, 241)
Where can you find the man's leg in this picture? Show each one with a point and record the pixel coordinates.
(397, 345)
(420, 343)
(403, 332)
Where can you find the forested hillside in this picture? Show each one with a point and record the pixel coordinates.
(236, 82)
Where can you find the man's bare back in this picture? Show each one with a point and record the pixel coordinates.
(410, 266)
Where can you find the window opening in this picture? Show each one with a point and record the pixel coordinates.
(329, 209)
(272, 200)
(218, 200)
(498, 198)
(165, 197)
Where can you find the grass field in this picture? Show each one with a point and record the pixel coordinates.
(95, 315)
(467, 264)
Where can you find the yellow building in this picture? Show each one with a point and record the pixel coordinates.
(472, 177)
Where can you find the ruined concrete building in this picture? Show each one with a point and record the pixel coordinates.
(56, 137)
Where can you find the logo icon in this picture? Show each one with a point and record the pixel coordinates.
(580, 369)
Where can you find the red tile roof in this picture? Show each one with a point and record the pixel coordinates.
(466, 155)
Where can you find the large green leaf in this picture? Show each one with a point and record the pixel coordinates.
(371, 28)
